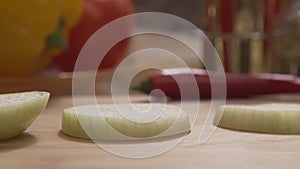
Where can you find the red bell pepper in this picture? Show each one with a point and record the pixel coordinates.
(96, 14)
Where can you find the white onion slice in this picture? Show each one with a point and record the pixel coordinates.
(19, 110)
(265, 118)
(104, 122)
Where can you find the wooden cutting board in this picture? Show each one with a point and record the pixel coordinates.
(43, 146)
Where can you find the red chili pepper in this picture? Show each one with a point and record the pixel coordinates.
(238, 85)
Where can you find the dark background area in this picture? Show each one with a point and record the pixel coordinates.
(191, 10)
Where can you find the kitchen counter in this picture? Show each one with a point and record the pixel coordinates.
(43, 146)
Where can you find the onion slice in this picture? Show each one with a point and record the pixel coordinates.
(265, 118)
(105, 122)
(19, 110)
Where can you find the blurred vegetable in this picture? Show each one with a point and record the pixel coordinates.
(96, 13)
(32, 32)
(237, 85)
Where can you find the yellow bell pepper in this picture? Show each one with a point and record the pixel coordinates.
(32, 32)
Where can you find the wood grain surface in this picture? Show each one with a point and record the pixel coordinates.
(42, 146)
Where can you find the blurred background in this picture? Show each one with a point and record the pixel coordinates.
(191, 10)
(251, 36)
(42, 39)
